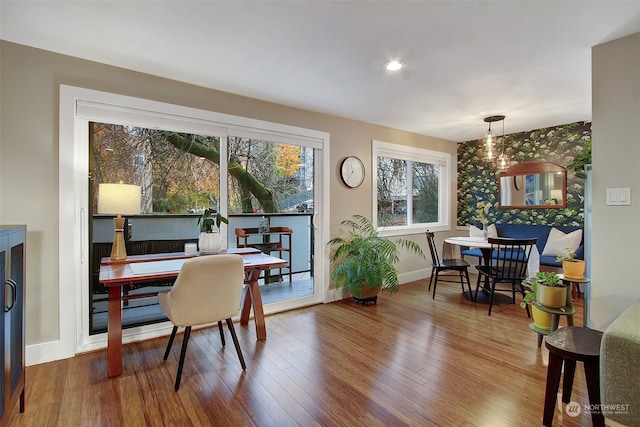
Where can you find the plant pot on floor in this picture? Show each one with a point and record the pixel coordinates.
(541, 319)
(573, 269)
(209, 243)
(365, 294)
(551, 296)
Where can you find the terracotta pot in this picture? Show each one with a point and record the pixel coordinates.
(552, 297)
(365, 291)
(541, 319)
(573, 269)
(210, 242)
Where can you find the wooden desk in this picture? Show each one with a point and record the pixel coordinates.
(118, 274)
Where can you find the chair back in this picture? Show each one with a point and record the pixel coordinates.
(435, 259)
(509, 257)
(208, 289)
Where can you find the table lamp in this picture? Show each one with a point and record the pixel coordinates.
(118, 199)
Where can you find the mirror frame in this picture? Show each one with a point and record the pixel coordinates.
(533, 168)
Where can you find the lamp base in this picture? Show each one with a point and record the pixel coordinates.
(119, 249)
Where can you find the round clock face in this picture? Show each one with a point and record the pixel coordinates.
(517, 182)
(352, 171)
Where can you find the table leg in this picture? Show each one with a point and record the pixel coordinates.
(246, 306)
(567, 380)
(554, 372)
(592, 374)
(254, 298)
(114, 332)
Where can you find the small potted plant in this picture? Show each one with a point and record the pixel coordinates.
(363, 262)
(547, 289)
(209, 222)
(572, 268)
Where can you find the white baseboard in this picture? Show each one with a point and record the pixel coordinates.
(46, 352)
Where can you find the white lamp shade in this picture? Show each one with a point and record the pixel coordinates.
(118, 199)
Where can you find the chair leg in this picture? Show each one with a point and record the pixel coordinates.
(466, 272)
(221, 332)
(435, 285)
(173, 335)
(183, 352)
(236, 343)
(493, 292)
(475, 296)
(433, 270)
(461, 279)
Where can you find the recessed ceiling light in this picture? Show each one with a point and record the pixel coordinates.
(393, 65)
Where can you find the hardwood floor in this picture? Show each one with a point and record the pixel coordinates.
(409, 360)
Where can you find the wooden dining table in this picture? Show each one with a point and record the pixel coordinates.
(139, 269)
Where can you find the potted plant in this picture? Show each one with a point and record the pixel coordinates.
(363, 262)
(209, 222)
(547, 289)
(572, 268)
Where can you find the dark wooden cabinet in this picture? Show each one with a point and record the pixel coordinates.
(12, 271)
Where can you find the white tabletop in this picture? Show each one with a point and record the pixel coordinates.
(480, 242)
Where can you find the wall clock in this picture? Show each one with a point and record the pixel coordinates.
(352, 171)
(517, 181)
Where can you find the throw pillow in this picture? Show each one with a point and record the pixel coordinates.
(559, 243)
(477, 232)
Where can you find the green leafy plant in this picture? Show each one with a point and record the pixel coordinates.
(361, 257)
(530, 284)
(570, 256)
(581, 160)
(210, 218)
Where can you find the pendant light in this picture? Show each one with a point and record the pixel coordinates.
(502, 163)
(489, 139)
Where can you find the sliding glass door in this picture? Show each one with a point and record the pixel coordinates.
(251, 179)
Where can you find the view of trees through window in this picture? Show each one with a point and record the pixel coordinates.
(179, 173)
(407, 192)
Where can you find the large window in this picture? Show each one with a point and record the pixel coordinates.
(411, 187)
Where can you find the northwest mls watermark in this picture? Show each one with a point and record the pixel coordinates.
(573, 409)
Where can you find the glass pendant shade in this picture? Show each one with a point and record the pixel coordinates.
(502, 163)
(489, 140)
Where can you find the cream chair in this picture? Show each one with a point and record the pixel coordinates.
(207, 290)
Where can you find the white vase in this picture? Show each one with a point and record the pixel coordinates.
(209, 242)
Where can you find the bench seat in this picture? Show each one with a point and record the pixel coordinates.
(524, 231)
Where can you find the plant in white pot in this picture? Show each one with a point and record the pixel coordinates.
(209, 222)
(547, 289)
(572, 268)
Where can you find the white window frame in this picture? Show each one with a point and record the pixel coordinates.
(414, 154)
(77, 107)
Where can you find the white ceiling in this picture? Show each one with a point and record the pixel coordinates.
(529, 60)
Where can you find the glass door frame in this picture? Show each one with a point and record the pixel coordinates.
(78, 106)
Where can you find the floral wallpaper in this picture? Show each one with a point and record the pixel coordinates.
(477, 179)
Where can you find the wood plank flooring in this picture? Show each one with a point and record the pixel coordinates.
(407, 361)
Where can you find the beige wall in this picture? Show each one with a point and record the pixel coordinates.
(29, 86)
(616, 155)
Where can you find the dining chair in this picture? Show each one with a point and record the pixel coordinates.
(458, 265)
(507, 264)
(208, 290)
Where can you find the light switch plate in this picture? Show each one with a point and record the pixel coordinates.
(618, 196)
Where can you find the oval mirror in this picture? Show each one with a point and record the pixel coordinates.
(540, 185)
